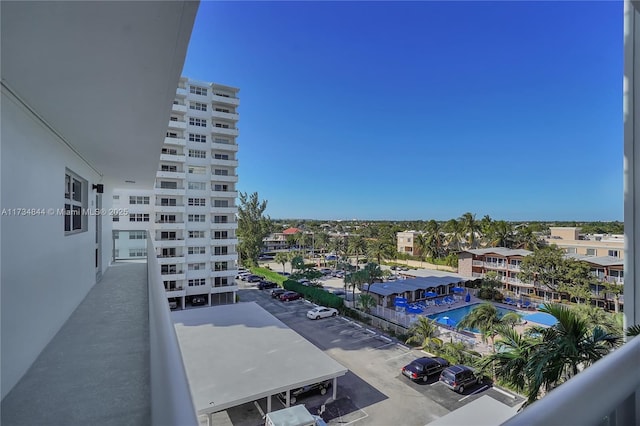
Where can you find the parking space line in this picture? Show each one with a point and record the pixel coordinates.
(371, 331)
(356, 324)
(504, 393)
(385, 338)
(404, 347)
(358, 419)
(397, 356)
(485, 387)
(381, 346)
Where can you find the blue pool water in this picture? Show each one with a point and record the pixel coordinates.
(453, 316)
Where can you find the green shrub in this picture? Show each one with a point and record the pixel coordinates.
(269, 275)
(315, 294)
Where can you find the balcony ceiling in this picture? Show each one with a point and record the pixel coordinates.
(102, 74)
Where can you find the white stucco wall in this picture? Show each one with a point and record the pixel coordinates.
(45, 274)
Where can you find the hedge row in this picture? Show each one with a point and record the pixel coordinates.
(269, 275)
(315, 294)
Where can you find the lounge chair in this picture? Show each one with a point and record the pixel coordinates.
(508, 301)
(438, 302)
(526, 305)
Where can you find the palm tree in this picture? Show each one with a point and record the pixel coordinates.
(500, 234)
(366, 302)
(282, 257)
(486, 319)
(356, 246)
(337, 246)
(459, 353)
(567, 347)
(436, 238)
(423, 332)
(526, 239)
(371, 272)
(470, 227)
(454, 235)
(379, 249)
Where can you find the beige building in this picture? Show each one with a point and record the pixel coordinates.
(407, 242)
(573, 242)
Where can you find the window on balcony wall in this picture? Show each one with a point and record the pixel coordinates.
(168, 185)
(221, 172)
(198, 122)
(138, 200)
(220, 235)
(172, 135)
(167, 218)
(196, 234)
(196, 250)
(169, 151)
(168, 252)
(221, 188)
(195, 137)
(167, 235)
(197, 106)
(139, 217)
(220, 251)
(197, 282)
(198, 185)
(168, 202)
(168, 168)
(197, 153)
(222, 125)
(168, 269)
(170, 285)
(75, 201)
(197, 218)
(221, 281)
(196, 266)
(197, 202)
(197, 170)
(222, 140)
(221, 203)
(220, 266)
(220, 219)
(197, 90)
(221, 156)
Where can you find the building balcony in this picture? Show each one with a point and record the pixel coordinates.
(495, 265)
(178, 208)
(181, 92)
(176, 292)
(612, 279)
(223, 178)
(181, 158)
(225, 100)
(167, 243)
(177, 124)
(224, 226)
(231, 273)
(477, 263)
(197, 273)
(198, 258)
(225, 146)
(224, 210)
(169, 191)
(513, 267)
(175, 141)
(224, 289)
(224, 242)
(178, 275)
(226, 163)
(179, 108)
(171, 175)
(477, 275)
(225, 115)
(224, 257)
(224, 131)
(167, 260)
(169, 226)
(224, 194)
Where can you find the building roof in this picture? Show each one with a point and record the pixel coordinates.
(240, 353)
(413, 284)
(483, 411)
(598, 260)
(290, 231)
(502, 251)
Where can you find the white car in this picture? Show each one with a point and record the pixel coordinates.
(321, 312)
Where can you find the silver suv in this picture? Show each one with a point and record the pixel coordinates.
(459, 377)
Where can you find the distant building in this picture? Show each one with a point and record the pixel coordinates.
(573, 242)
(407, 242)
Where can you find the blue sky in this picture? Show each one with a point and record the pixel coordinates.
(423, 110)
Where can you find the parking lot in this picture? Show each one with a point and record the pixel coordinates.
(374, 392)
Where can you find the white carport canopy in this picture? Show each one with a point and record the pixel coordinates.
(484, 411)
(240, 353)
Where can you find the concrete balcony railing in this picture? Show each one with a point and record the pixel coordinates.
(477, 263)
(177, 124)
(224, 242)
(175, 141)
(224, 194)
(227, 131)
(583, 401)
(225, 115)
(228, 225)
(513, 267)
(171, 401)
(495, 265)
(178, 158)
(224, 178)
(225, 163)
(227, 100)
(225, 146)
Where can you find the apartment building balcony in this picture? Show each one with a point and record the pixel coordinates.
(170, 242)
(197, 273)
(177, 124)
(224, 194)
(223, 178)
(181, 92)
(477, 263)
(231, 273)
(223, 289)
(177, 158)
(613, 279)
(224, 257)
(226, 163)
(225, 146)
(224, 242)
(175, 292)
(169, 191)
(225, 100)
(495, 265)
(225, 226)
(169, 226)
(512, 267)
(179, 108)
(175, 141)
(101, 365)
(224, 210)
(477, 275)
(167, 260)
(178, 208)
(232, 116)
(193, 258)
(178, 275)
(224, 131)
(171, 175)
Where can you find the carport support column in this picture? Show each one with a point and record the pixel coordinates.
(335, 388)
(269, 404)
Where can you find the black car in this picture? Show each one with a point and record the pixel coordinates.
(298, 393)
(459, 377)
(253, 278)
(198, 300)
(422, 368)
(276, 292)
(266, 284)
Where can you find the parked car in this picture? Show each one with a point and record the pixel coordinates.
(266, 284)
(296, 394)
(422, 368)
(198, 300)
(242, 275)
(253, 278)
(276, 292)
(459, 377)
(321, 312)
(173, 303)
(340, 293)
(289, 295)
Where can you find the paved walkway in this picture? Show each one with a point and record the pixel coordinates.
(95, 371)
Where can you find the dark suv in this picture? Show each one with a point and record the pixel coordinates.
(459, 377)
(422, 368)
(296, 394)
(266, 284)
(276, 292)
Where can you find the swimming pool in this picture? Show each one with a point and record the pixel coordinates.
(453, 316)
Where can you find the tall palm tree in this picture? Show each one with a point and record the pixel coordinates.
(524, 238)
(470, 228)
(282, 257)
(567, 347)
(423, 332)
(436, 237)
(459, 353)
(379, 249)
(454, 235)
(486, 319)
(500, 234)
(356, 246)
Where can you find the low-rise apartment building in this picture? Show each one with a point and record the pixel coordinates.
(572, 241)
(407, 243)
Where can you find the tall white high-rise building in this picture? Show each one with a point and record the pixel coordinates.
(191, 211)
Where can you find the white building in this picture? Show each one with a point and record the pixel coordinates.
(191, 211)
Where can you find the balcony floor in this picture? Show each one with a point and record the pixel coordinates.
(96, 368)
